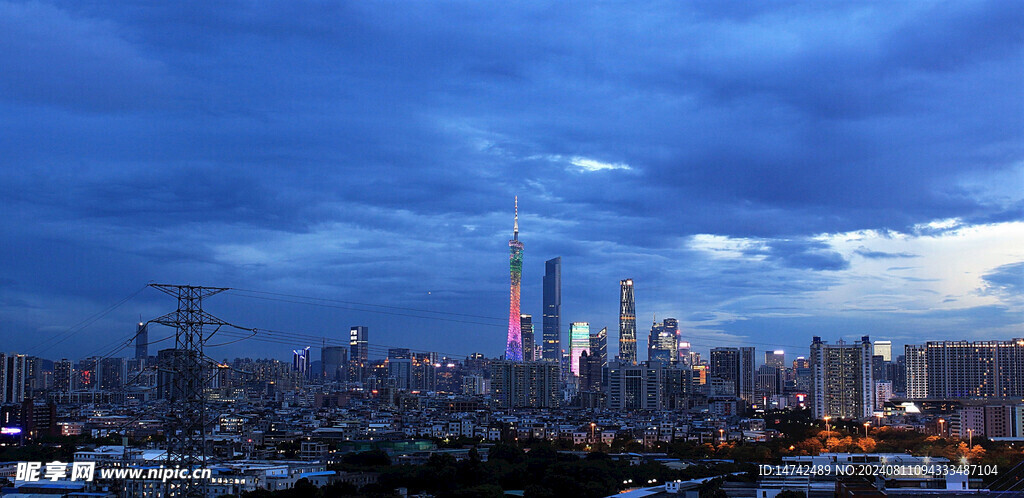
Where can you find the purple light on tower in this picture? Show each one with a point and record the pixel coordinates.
(514, 346)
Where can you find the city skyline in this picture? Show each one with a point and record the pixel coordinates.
(764, 175)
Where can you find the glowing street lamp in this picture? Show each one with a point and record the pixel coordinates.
(941, 421)
(721, 434)
(866, 425)
(970, 438)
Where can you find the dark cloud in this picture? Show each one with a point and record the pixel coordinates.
(1007, 279)
(372, 150)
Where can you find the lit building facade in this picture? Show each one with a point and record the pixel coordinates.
(980, 369)
(514, 343)
(841, 379)
(529, 384)
(915, 360)
(627, 322)
(579, 342)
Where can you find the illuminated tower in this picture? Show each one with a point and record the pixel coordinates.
(579, 342)
(514, 347)
(627, 322)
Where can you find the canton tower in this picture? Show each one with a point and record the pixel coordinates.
(514, 347)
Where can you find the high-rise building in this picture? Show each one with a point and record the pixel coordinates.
(514, 343)
(590, 372)
(359, 351)
(775, 358)
(747, 371)
(552, 320)
(736, 367)
(579, 341)
(63, 373)
(627, 321)
(530, 384)
(634, 387)
(334, 361)
(399, 354)
(980, 369)
(769, 380)
(662, 343)
(916, 361)
(599, 346)
(112, 373)
(684, 354)
(725, 365)
(88, 373)
(526, 329)
(141, 341)
(883, 349)
(301, 362)
(841, 378)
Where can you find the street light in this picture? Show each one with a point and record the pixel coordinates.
(970, 438)
(827, 418)
(866, 424)
(721, 433)
(941, 421)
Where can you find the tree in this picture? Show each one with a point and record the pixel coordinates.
(506, 452)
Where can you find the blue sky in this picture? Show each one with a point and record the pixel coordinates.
(764, 172)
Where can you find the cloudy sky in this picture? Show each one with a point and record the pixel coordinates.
(764, 172)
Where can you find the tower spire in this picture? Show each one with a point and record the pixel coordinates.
(515, 227)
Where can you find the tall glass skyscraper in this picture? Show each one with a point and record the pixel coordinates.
(579, 341)
(526, 329)
(552, 321)
(141, 341)
(514, 345)
(599, 345)
(627, 322)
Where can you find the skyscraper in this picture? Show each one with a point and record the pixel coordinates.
(599, 345)
(552, 320)
(359, 351)
(775, 358)
(301, 362)
(627, 322)
(916, 359)
(662, 343)
(514, 344)
(747, 371)
(841, 380)
(579, 342)
(526, 328)
(883, 349)
(142, 341)
(725, 365)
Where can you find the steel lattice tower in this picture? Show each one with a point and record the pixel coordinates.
(186, 434)
(514, 346)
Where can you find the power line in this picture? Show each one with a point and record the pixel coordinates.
(82, 325)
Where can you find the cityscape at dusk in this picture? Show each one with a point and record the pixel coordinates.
(316, 248)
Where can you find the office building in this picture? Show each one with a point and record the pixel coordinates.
(736, 367)
(334, 361)
(526, 329)
(883, 349)
(769, 380)
(141, 341)
(590, 372)
(579, 342)
(775, 358)
(358, 352)
(301, 362)
(514, 341)
(842, 384)
(627, 322)
(980, 369)
(662, 343)
(685, 356)
(552, 320)
(599, 346)
(531, 384)
(400, 369)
